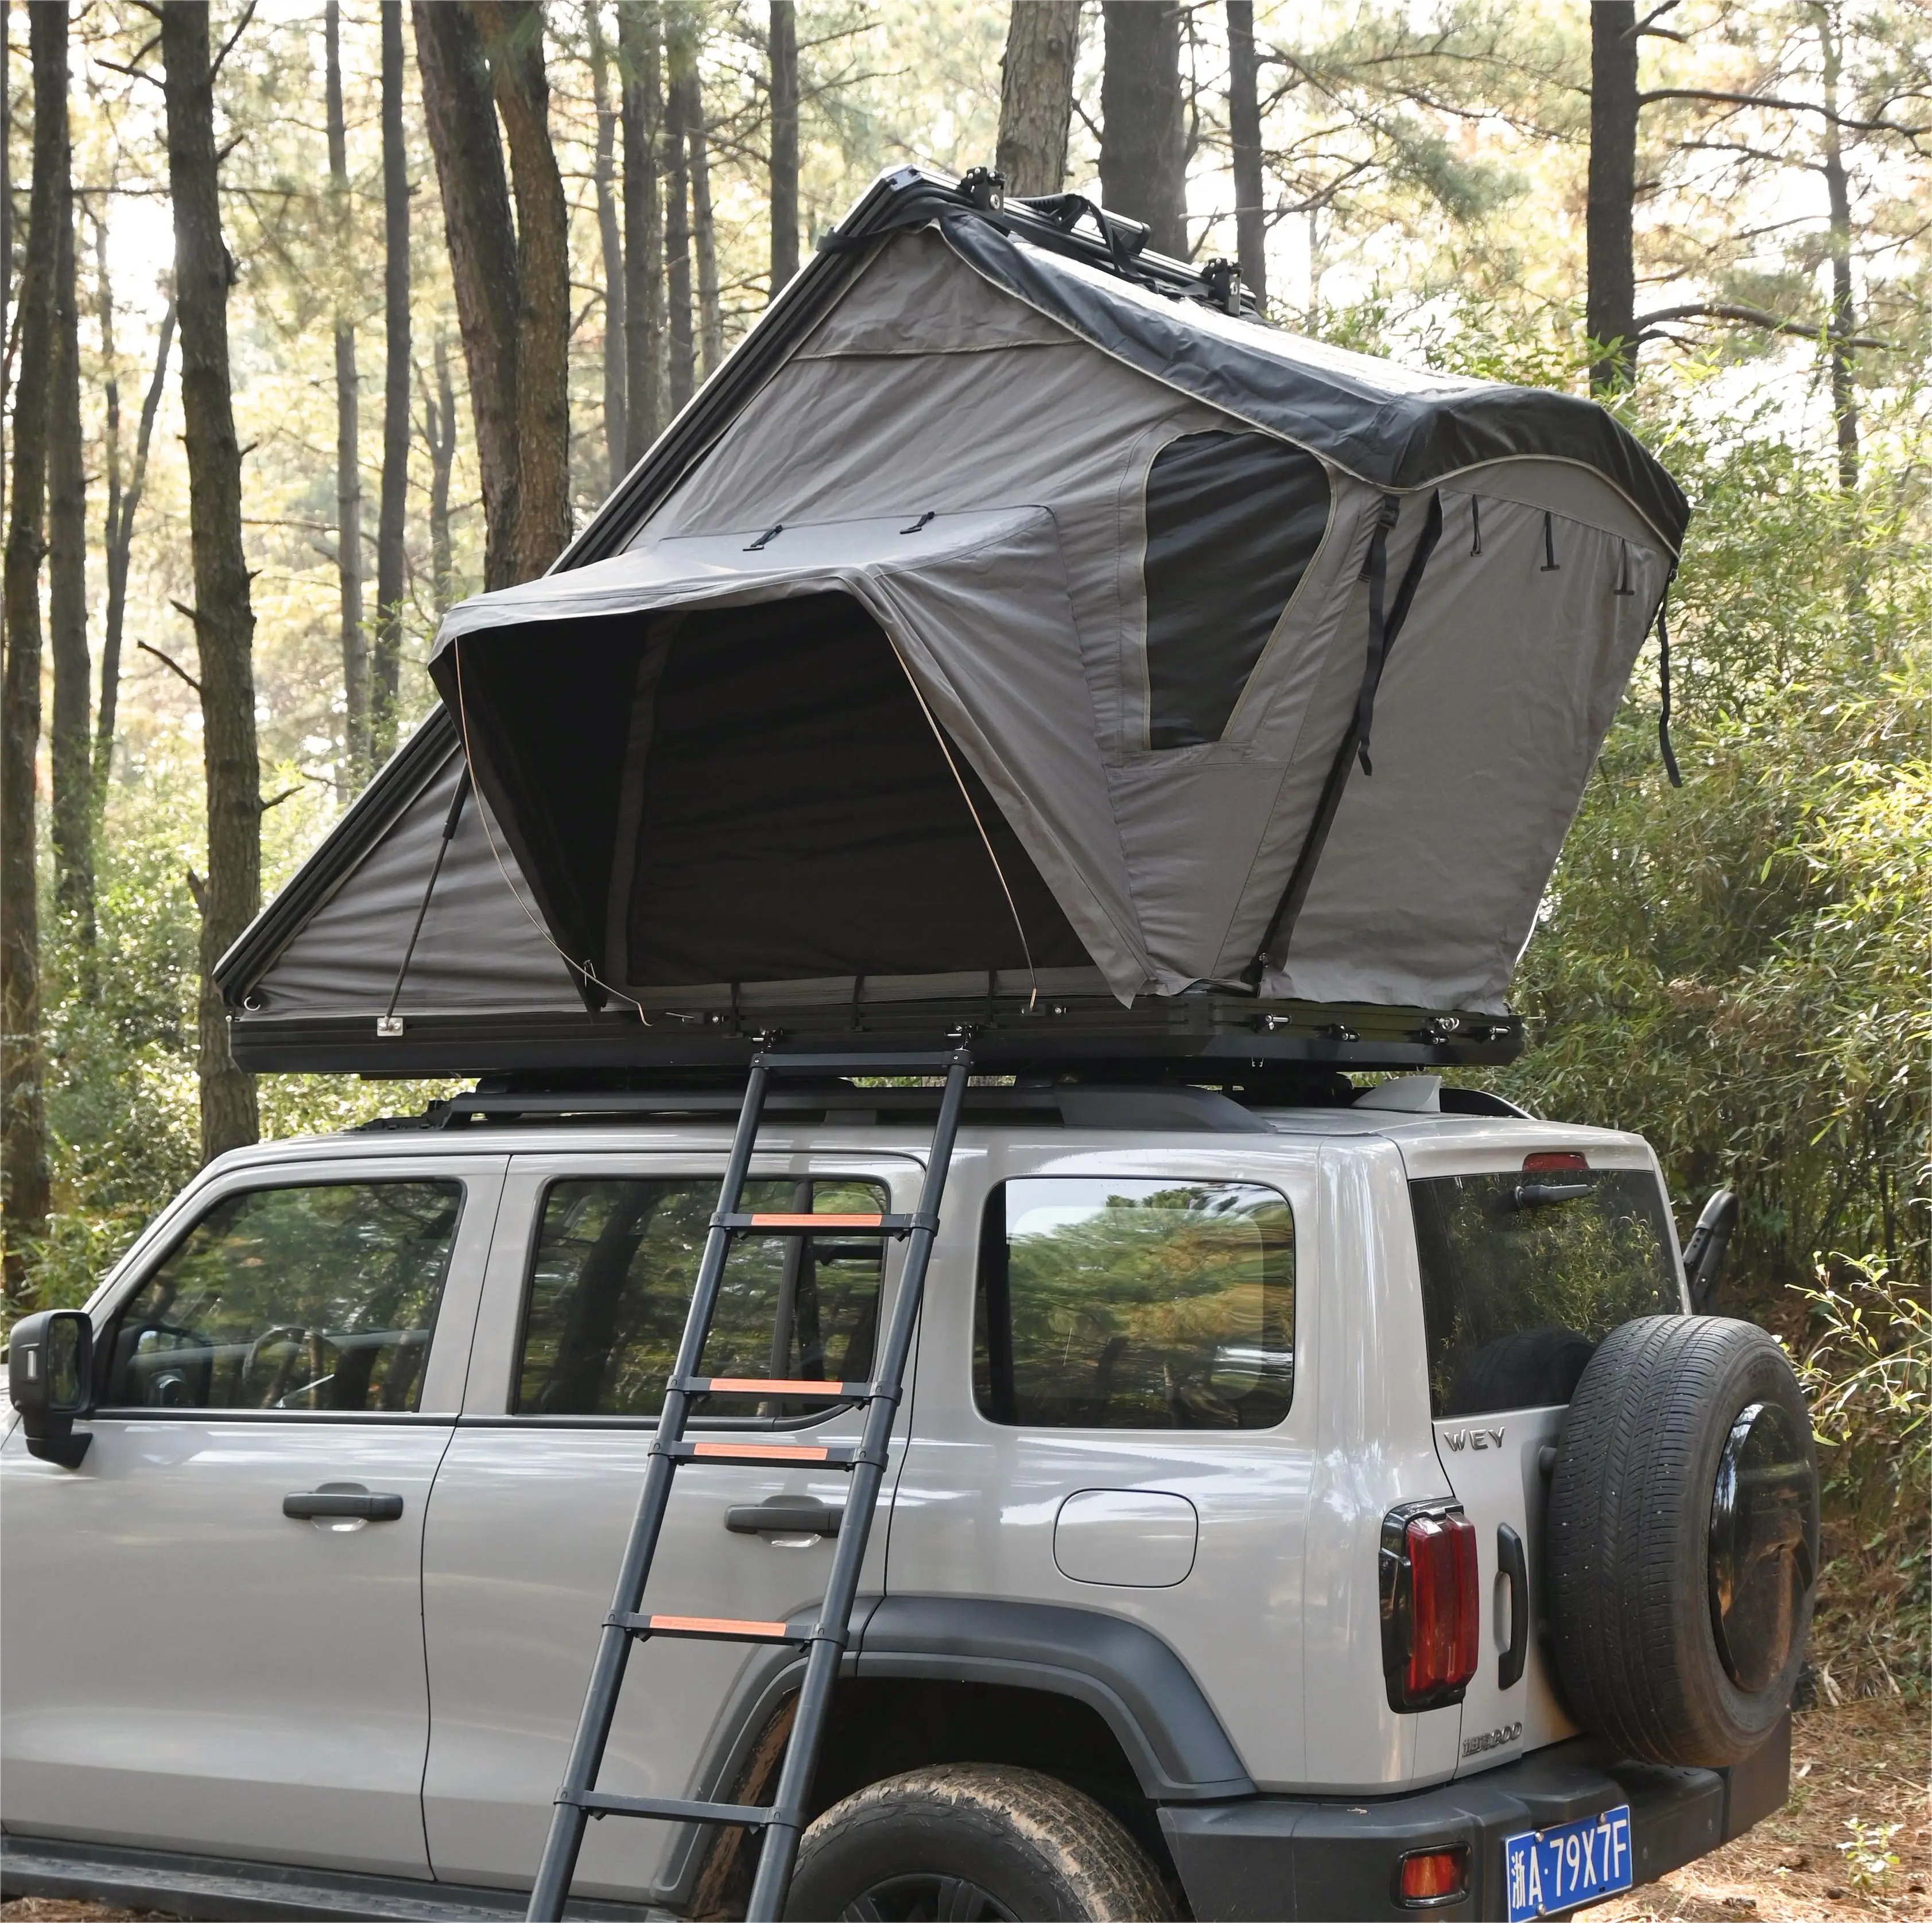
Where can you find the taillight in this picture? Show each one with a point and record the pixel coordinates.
(1555, 1161)
(1425, 1878)
(1431, 1609)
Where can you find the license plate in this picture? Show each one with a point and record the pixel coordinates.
(1570, 1863)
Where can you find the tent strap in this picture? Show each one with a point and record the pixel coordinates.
(388, 1025)
(1383, 628)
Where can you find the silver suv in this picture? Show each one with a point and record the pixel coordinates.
(1326, 1510)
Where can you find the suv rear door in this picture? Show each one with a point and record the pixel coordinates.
(1528, 1256)
(584, 1303)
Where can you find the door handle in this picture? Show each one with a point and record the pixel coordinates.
(1514, 1564)
(368, 1507)
(785, 1515)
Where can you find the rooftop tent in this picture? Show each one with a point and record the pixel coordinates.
(1005, 614)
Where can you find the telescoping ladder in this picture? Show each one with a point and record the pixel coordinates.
(579, 1799)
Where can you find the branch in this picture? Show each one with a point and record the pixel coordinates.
(169, 661)
(196, 886)
(228, 45)
(1646, 324)
(1784, 105)
(276, 801)
(187, 613)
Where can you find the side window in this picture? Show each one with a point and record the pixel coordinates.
(1120, 1304)
(317, 1298)
(1232, 522)
(615, 1263)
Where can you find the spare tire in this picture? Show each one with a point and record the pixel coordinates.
(1682, 1539)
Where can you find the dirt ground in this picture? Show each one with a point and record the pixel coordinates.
(1867, 1764)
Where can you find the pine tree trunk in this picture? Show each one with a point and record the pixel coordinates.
(681, 59)
(462, 117)
(704, 230)
(617, 435)
(512, 34)
(784, 56)
(356, 743)
(1844, 323)
(1610, 297)
(392, 559)
(120, 548)
(1036, 95)
(24, 1178)
(1144, 134)
(224, 621)
(1244, 129)
(639, 38)
(70, 737)
(439, 432)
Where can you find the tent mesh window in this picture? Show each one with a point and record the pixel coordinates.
(755, 794)
(1232, 522)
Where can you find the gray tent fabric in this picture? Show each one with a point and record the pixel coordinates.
(1121, 550)
(975, 474)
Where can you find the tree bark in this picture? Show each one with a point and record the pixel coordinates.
(120, 547)
(1610, 296)
(392, 512)
(703, 229)
(512, 34)
(784, 57)
(462, 118)
(610, 234)
(1244, 129)
(439, 434)
(70, 737)
(1036, 95)
(639, 36)
(224, 621)
(24, 1176)
(681, 58)
(1144, 134)
(1844, 323)
(355, 700)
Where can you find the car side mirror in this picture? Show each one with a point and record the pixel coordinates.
(50, 1378)
(1704, 1253)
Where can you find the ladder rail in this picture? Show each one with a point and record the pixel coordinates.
(780, 1848)
(551, 1890)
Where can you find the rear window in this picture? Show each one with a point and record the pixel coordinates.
(1523, 1275)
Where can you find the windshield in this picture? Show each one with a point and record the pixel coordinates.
(1522, 1275)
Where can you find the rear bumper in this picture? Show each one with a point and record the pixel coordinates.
(1280, 1857)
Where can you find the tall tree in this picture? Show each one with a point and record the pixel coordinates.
(1610, 286)
(681, 61)
(1036, 93)
(356, 690)
(24, 1184)
(611, 240)
(639, 41)
(512, 32)
(703, 228)
(224, 621)
(1842, 327)
(69, 738)
(1244, 138)
(783, 53)
(482, 244)
(440, 437)
(1144, 132)
(391, 562)
(118, 533)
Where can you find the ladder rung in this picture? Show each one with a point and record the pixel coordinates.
(778, 1224)
(671, 1809)
(927, 1062)
(829, 1455)
(709, 1629)
(770, 1386)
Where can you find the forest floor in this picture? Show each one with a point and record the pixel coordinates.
(1864, 1763)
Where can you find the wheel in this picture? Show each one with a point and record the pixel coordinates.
(973, 1842)
(1682, 1539)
